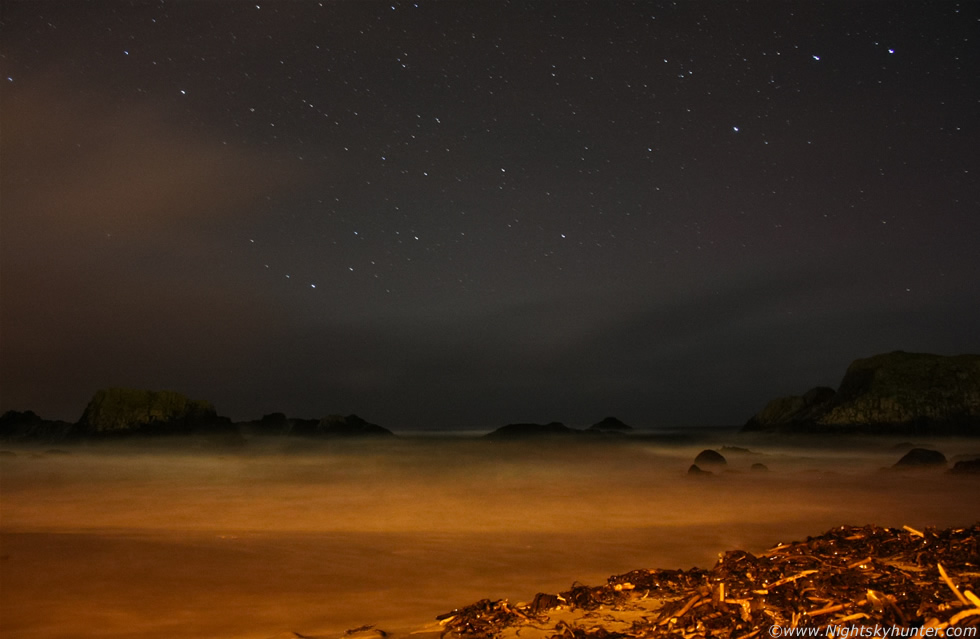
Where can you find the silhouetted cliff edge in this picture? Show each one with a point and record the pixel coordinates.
(892, 393)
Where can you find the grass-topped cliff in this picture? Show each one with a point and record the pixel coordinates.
(126, 409)
(895, 392)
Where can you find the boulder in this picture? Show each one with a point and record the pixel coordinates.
(696, 470)
(708, 457)
(920, 458)
(966, 467)
(350, 426)
(522, 431)
(610, 425)
(892, 393)
(126, 410)
(759, 468)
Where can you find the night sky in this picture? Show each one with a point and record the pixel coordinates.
(464, 214)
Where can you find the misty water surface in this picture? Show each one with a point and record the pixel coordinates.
(192, 541)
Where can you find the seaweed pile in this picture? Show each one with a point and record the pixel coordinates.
(869, 577)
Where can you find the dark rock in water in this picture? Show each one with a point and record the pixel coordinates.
(25, 417)
(28, 425)
(919, 457)
(273, 420)
(350, 426)
(966, 467)
(696, 470)
(710, 457)
(792, 410)
(127, 411)
(737, 449)
(759, 468)
(610, 424)
(278, 424)
(298, 426)
(521, 431)
(911, 393)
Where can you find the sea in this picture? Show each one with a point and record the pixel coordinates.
(188, 538)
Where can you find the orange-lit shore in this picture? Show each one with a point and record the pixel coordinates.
(110, 542)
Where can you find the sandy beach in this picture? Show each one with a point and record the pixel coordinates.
(111, 542)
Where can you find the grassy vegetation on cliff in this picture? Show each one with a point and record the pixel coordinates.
(120, 409)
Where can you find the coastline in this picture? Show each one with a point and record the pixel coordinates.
(848, 581)
(227, 545)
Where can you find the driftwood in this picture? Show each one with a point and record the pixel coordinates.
(850, 576)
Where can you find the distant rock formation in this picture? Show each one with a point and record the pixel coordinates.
(522, 431)
(350, 426)
(913, 393)
(126, 410)
(610, 425)
(28, 425)
(962, 467)
(278, 425)
(920, 458)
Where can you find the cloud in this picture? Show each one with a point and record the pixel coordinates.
(77, 162)
(117, 260)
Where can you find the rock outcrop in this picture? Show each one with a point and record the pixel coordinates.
(522, 431)
(921, 458)
(610, 425)
(966, 467)
(28, 425)
(350, 426)
(279, 425)
(913, 393)
(127, 411)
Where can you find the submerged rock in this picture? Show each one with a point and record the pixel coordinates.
(759, 468)
(697, 470)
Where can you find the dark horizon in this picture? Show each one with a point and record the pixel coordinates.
(443, 215)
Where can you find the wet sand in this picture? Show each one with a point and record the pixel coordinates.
(105, 542)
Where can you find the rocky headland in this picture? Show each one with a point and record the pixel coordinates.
(888, 394)
(128, 410)
(115, 413)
